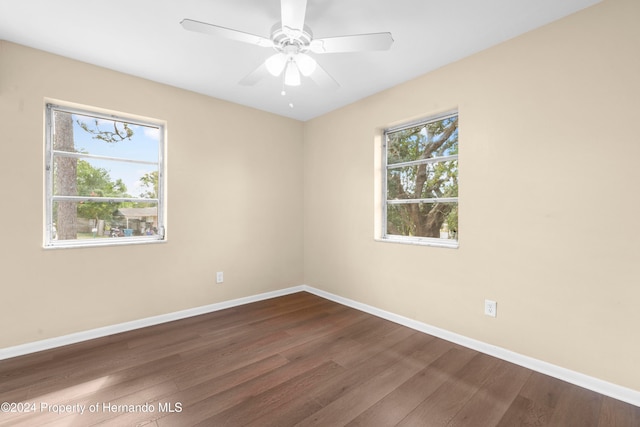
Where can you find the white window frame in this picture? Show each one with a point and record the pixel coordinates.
(50, 154)
(415, 240)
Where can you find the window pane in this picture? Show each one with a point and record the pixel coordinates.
(96, 156)
(435, 139)
(103, 178)
(436, 220)
(101, 220)
(424, 181)
(84, 134)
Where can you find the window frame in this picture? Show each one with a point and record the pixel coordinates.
(415, 240)
(50, 154)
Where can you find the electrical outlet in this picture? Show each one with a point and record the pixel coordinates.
(490, 308)
(219, 277)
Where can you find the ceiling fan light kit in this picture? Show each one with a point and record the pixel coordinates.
(306, 64)
(275, 64)
(291, 46)
(291, 40)
(292, 74)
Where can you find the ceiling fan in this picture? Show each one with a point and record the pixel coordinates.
(292, 41)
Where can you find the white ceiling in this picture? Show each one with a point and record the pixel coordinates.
(144, 38)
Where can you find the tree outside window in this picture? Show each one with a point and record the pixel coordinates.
(99, 166)
(421, 182)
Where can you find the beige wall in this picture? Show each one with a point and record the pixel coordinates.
(549, 204)
(229, 208)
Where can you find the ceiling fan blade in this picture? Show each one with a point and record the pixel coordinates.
(355, 43)
(255, 76)
(323, 79)
(203, 27)
(292, 13)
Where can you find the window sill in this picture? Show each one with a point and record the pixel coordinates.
(449, 244)
(119, 241)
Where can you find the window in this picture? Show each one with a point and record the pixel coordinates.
(420, 189)
(104, 179)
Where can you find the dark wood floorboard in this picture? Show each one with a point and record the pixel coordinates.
(297, 360)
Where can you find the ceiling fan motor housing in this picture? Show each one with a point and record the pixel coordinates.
(290, 41)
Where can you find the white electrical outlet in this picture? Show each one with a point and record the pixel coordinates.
(219, 277)
(490, 308)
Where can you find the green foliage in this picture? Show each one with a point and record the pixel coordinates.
(118, 134)
(434, 179)
(96, 182)
(150, 183)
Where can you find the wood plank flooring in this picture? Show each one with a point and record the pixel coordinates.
(297, 360)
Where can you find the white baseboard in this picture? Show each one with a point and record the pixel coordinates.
(599, 386)
(603, 387)
(33, 347)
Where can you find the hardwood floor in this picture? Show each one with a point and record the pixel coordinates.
(295, 360)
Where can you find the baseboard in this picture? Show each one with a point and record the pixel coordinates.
(33, 347)
(599, 386)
